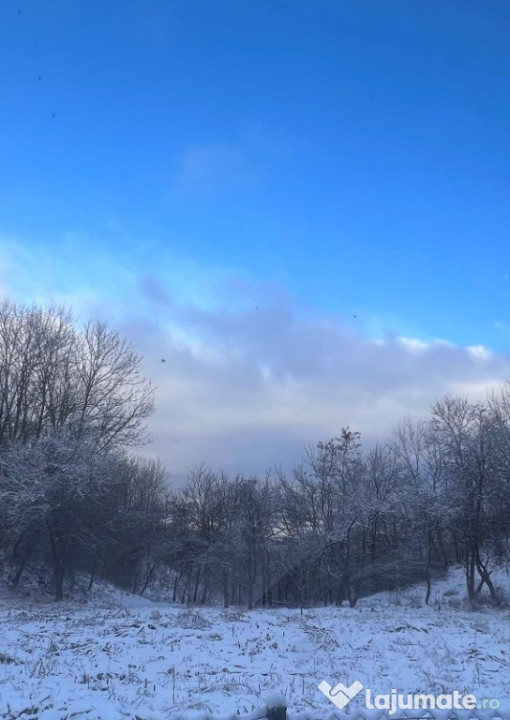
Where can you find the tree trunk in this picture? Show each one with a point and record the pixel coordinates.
(92, 575)
(152, 567)
(427, 566)
(469, 560)
(226, 594)
(485, 576)
(57, 550)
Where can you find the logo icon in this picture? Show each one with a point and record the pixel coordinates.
(340, 695)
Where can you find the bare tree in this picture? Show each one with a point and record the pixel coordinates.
(464, 432)
(69, 400)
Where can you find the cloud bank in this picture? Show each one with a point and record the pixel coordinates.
(246, 377)
(249, 384)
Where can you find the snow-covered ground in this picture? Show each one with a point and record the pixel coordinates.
(115, 655)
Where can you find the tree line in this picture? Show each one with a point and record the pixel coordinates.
(346, 522)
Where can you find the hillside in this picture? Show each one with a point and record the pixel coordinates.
(114, 655)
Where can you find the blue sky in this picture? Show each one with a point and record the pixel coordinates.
(214, 176)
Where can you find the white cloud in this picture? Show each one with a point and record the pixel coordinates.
(479, 352)
(414, 344)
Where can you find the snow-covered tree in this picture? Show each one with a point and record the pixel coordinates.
(72, 401)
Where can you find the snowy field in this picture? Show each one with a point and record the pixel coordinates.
(113, 655)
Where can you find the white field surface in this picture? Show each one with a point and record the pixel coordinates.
(111, 655)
